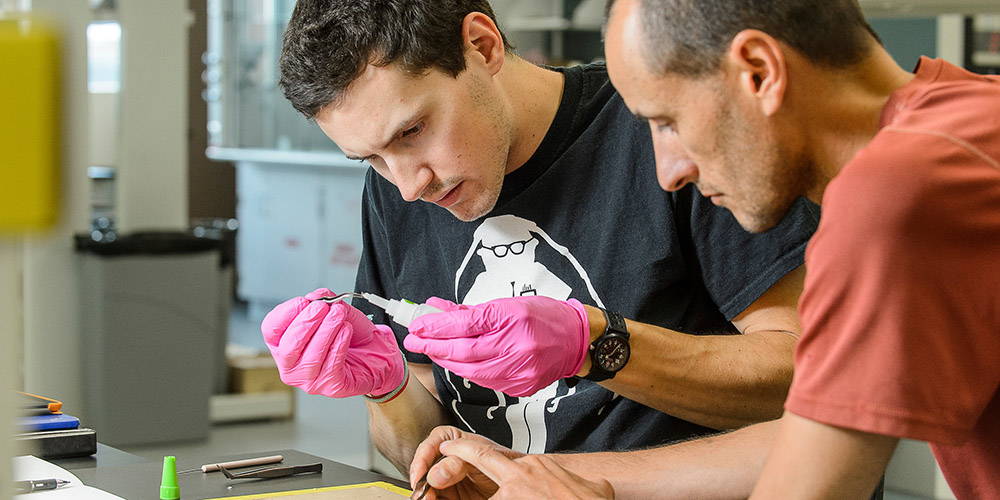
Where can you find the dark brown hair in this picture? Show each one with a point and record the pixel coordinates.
(328, 43)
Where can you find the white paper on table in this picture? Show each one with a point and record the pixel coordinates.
(27, 467)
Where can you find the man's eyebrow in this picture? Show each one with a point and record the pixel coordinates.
(403, 125)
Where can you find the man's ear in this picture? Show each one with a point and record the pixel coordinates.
(483, 42)
(758, 61)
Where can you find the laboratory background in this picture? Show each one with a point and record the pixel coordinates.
(183, 198)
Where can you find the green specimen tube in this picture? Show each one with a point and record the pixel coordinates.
(168, 485)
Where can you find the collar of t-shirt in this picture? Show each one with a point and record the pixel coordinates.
(927, 72)
(555, 138)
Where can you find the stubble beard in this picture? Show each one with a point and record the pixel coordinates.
(500, 130)
(769, 178)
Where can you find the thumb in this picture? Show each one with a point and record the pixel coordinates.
(443, 304)
(455, 324)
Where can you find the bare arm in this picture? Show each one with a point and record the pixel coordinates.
(719, 381)
(828, 462)
(398, 426)
(717, 467)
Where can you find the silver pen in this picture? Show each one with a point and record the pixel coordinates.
(38, 485)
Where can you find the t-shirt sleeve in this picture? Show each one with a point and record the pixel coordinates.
(737, 266)
(375, 271)
(900, 310)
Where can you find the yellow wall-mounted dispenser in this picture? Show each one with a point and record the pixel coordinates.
(29, 124)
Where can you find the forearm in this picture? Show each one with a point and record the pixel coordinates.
(719, 381)
(829, 462)
(718, 467)
(398, 426)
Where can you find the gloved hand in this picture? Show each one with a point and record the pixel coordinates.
(516, 345)
(331, 349)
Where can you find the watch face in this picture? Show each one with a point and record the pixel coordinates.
(612, 353)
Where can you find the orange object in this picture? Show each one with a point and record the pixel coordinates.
(53, 405)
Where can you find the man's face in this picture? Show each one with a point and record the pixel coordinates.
(438, 139)
(704, 131)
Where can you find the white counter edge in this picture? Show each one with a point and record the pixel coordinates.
(318, 159)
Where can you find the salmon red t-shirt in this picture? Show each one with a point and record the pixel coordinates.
(901, 308)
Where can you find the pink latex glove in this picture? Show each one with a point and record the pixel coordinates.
(331, 349)
(515, 345)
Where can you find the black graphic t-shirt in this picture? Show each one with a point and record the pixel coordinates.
(584, 218)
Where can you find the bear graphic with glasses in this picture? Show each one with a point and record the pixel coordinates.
(507, 246)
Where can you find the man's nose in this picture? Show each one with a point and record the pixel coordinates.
(411, 181)
(675, 173)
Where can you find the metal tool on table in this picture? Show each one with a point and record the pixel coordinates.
(274, 472)
(236, 464)
(38, 485)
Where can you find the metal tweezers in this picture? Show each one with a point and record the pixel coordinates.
(422, 483)
(274, 472)
(342, 296)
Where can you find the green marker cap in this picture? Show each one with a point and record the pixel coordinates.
(168, 485)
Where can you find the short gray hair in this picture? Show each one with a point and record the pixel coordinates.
(689, 37)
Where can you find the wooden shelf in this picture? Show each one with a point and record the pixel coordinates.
(260, 406)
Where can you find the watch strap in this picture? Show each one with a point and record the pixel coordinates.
(615, 326)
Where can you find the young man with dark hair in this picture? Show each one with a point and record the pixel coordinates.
(900, 309)
(529, 204)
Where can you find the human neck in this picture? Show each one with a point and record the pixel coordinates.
(842, 111)
(534, 94)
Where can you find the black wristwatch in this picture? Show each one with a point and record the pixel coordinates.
(610, 352)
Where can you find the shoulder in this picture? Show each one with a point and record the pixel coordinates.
(907, 185)
(597, 97)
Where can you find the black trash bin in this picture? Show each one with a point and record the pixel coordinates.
(150, 325)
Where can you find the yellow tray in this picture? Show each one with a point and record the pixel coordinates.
(371, 491)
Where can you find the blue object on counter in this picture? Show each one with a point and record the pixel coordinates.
(48, 422)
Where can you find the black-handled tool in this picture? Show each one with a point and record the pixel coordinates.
(274, 472)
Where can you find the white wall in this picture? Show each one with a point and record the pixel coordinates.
(152, 147)
(51, 345)
(10, 339)
(152, 169)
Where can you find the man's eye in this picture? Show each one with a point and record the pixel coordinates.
(413, 130)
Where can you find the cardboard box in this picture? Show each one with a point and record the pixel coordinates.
(254, 374)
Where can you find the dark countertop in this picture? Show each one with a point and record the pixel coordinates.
(106, 456)
(141, 480)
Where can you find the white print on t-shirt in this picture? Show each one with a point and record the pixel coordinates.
(506, 244)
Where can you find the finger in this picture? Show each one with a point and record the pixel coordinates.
(278, 319)
(362, 327)
(460, 350)
(332, 332)
(319, 293)
(301, 330)
(448, 472)
(443, 304)
(427, 450)
(449, 325)
(340, 377)
(491, 462)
